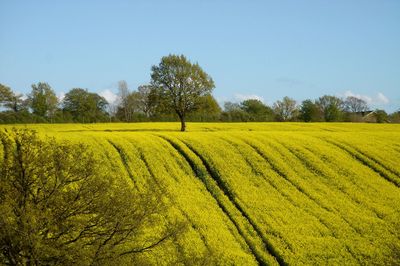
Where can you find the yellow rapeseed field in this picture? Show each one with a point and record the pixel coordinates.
(263, 193)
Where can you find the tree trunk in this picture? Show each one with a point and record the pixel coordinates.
(183, 123)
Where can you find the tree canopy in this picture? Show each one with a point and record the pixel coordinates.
(182, 83)
(309, 111)
(85, 106)
(60, 206)
(331, 107)
(43, 100)
(286, 109)
(10, 100)
(257, 110)
(355, 105)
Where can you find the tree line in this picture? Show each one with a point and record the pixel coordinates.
(179, 90)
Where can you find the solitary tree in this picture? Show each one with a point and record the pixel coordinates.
(43, 100)
(182, 83)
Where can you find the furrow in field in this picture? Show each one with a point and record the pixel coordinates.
(294, 179)
(246, 229)
(353, 216)
(113, 158)
(171, 197)
(325, 213)
(329, 185)
(124, 159)
(313, 163)
(375, 159)
(157, 165)
(310, 207)
(150, 170)
(194, 226)
(340, 175)
(288, 228)
(376, 167)
(356, 183)
(224, 187)
(187, 193)
(338, 163)
(282, 172)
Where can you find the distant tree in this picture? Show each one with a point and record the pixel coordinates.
(285, 110)
(85, 106)
(10, 100)
(331, 107)
(309, 111)
(354, 105)
(123, 94)
(231, 106)
(148, 99)
(381, 116)
(208, 109)
(132, 108)
(60, 206)
(5, 94)
(42, 100)
(395, 117)
(181, 83)
(257, 110)
(234, 113)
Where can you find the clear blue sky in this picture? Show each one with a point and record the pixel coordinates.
(265, 49)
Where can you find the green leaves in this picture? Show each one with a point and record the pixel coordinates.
(43, 100)
(182, 83)
(9, 99)
(85, 106)
(60, 205)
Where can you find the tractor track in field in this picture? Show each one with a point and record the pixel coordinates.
(394, 172)
(195, 227)
(334, 212)
(221, 184)
(280, 173)
(223, 189)
(153, 176)
(164, 190)
(274, 167)
(378, 168)
(124, 160)
(106, 152)
(317, 172)
(279, 191)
